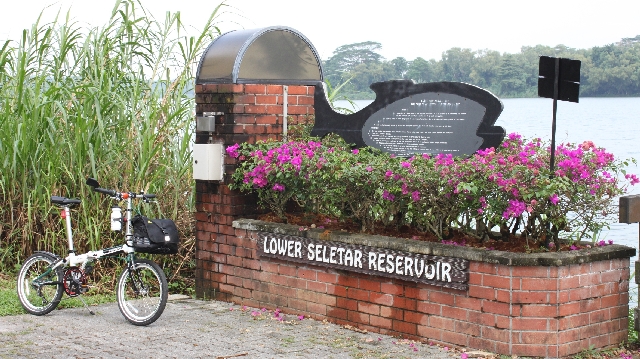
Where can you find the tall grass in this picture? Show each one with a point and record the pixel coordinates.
(111, 102)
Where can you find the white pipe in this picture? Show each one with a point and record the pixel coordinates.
(285, 91)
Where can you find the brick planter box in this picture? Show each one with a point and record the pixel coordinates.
(547, 304)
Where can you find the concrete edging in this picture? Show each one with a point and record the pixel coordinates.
(555, 259)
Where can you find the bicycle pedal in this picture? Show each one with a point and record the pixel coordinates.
(88, 269)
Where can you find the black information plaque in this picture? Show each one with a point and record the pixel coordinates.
(407, 118)
(441, 271)
(426, 123)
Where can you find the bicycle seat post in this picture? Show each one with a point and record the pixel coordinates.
(67, 218)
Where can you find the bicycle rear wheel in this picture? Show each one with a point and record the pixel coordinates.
(39, 286)
(142, 292)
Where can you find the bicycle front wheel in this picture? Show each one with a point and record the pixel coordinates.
(142, 292)
(39, 286)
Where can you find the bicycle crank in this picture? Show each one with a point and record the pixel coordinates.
(74, 282)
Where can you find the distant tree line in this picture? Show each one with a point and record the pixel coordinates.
(610, 70)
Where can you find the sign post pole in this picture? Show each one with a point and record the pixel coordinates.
(556, 80)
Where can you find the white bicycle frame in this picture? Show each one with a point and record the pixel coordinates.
(81, 260)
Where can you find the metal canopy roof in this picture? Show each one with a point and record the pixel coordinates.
(269, 55)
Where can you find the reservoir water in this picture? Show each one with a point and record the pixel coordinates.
(612, 123)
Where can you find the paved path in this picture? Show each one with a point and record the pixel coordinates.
(191, 328)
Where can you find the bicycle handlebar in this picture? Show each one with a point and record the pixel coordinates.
(115, 194)
(108, 192)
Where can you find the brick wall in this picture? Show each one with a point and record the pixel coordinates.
(251, 112)
(529, 311)
(526, 311)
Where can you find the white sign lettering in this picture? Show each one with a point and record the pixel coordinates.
(436, 270)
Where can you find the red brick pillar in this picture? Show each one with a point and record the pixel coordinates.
(251, 113)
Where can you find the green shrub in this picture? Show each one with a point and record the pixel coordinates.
(509, 189)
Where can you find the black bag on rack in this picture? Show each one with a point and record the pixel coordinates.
(155, 236)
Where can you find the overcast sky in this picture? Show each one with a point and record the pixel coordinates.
(420, 28)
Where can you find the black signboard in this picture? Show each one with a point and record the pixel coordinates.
(447, 272)
(558, 79)
(568, 78)
(408, 118)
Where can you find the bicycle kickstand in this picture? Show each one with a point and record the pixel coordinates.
(86, 306)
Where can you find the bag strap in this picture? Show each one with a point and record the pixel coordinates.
(157, 223)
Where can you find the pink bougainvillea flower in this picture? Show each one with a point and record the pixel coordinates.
(554, 199)
(405, 164)
(300, 317)
(260, 182)
(415, 196)
(587, 145)
(278, 187)
(233, 150)
(388, 196)
(573, 247)
(355, 151)
(296, 162)
(514, 136)
(464, 356)
(515, 209)
(633, 179)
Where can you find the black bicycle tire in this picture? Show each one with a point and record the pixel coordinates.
(121, 289)
(20, 289)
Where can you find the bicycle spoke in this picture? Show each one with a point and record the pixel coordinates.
(142, 292)
(39, 288)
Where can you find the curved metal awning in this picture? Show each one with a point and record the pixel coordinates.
(269, 55)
